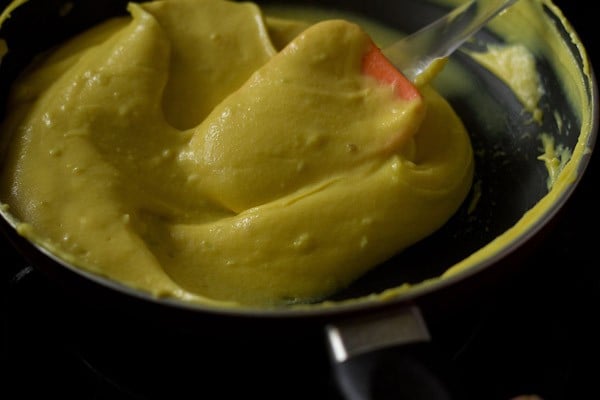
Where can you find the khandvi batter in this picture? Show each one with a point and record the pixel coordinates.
(198, 150)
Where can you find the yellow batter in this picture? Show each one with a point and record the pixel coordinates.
(199, 151)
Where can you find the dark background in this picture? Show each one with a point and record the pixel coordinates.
(538, 335)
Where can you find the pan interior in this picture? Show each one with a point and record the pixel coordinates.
(510, 178)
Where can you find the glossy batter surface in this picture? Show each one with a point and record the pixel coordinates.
(197, 150)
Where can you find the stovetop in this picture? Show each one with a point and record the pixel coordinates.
(538, 336)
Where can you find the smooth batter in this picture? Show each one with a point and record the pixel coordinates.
(252, 162)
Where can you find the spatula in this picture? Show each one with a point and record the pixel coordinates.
(415, 53)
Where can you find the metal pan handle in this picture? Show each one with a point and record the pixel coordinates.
(376, 357)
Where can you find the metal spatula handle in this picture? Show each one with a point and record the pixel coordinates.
(413, 54)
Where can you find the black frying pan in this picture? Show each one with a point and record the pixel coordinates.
(513, 183)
